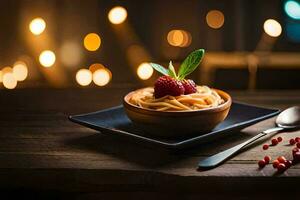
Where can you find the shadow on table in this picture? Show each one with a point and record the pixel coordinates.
(153, 157)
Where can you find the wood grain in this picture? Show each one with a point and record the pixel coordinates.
(41, 150)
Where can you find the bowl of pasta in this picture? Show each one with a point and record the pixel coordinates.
(176, 106)
(176, 116)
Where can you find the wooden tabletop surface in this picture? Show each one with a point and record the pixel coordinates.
(40, 149)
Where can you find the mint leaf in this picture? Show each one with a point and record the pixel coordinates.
(159, 68)
(171, 70)
(190, 63)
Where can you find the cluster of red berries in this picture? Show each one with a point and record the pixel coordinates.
(166, 85)
(295, 141)
(274, 142)
(281, 163)
(264, 161)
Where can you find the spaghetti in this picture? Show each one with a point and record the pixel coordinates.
(205, 97)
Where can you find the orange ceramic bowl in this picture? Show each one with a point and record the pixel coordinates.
(170, 124)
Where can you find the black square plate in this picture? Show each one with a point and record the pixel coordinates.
(114, 121)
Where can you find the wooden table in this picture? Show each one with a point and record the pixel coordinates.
(43, 153)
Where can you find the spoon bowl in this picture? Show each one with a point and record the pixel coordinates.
(289, 118)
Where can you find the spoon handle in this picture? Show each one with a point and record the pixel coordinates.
(218, 158)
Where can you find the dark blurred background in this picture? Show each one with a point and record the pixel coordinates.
(101, 43)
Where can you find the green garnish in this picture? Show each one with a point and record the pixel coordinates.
(171, 70)
(159, 68)
(190, 63)
(187, 66)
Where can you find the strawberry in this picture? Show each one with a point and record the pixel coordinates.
(166, 85)
(175, 84)
(189, 86)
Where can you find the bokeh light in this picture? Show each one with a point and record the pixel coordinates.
(7, 70)
(94, 67)
(9, 80)
(1, 76)
(37, 26)
(179, 38)
(117, 15)
(175, 37)
(92, 41)
(272, 28)
(84, 77)
(101, 77)
(20, 71)
(292, 9)
(215, 19)
(47, 58)
(70, 54)
(144, 71)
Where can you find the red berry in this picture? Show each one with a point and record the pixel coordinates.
(261, 163)
(267, 159)
(265, 146)
(297, 139)
(295, 150)
(276, 163)
(296, 156)
(274, 141)
(166, 85)
(292, 141)
(281, 167)
(279, 139)
(281, 159)
(288, 163)
(298, 145)
(189, 86)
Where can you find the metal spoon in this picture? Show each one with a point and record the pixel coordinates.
(287, 119)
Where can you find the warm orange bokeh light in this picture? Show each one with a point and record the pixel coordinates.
(37, 26)
(7, 70)
(20, 71)
(102, 76)
(70, 53)
(94, 67)
(92, 41)
(117, 15)
(215, 19)
(144, 71)
(179, 38)
(272, 28)
(9, 80)
(47, 58)
(84, 77)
